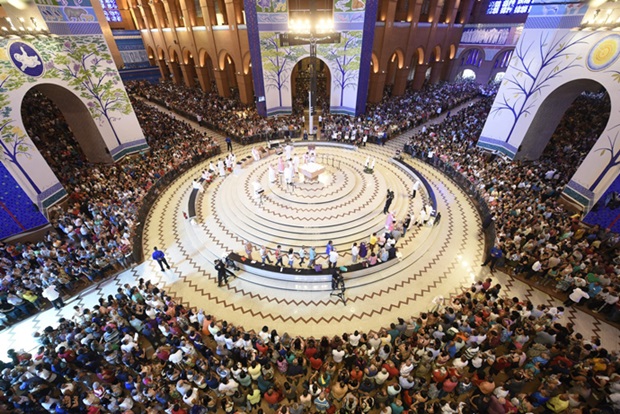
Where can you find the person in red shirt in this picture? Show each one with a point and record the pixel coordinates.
(356, 374)
(272, 397)
(316, 362)
(448, 386)
(176, 409)
(391, 369)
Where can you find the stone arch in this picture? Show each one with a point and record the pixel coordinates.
(472, 56)
(435, 55)
(187, 55)
(374, 62)
(432, 74)
(466, 73)
(78, 117)
(323, 65)
(224, 58)
(549, 114)
(396, 61)
(151, 55)
(204, 59)
(416, 59)
(246, 63)
(161, 53)
(174, 55)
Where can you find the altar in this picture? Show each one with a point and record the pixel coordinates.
(311, 170)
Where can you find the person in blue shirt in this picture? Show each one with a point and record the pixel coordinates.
(328, 248)
(160, 258)
(229, 147)
(494, 255)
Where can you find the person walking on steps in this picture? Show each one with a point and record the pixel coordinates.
(160, 258)
(415, 188)
(229, 147)
(388, 201)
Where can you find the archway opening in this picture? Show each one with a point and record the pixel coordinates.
(466, 74)
(190, 67)
(301, 77)
(572, 118)
(393, 64)
(498, 77)
(62, 128)
(230, 70)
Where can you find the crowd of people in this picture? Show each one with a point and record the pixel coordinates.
(139, 351)
(396, 114)
(536, 237)
(226, 115)
(381, 121)
(94, 234)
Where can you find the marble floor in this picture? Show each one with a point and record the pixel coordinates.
(344, 205)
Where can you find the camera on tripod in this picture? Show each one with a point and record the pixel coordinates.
(338, 282)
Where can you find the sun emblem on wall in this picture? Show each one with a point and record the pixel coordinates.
(604, 53)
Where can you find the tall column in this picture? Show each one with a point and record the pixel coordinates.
(375, 90)
(419, 76)
(400, 81)
(203, 78)
(221, 80)
(246, 89)
(188, 74)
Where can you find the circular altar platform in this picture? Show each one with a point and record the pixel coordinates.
(344, 205)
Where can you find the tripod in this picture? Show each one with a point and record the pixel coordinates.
(339, 285)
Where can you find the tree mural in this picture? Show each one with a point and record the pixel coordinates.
(534, 67)
(14, 142)
(345, 58)
(614, 158)
(277, 63)
(86, 65)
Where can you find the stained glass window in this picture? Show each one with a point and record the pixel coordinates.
(110, 10)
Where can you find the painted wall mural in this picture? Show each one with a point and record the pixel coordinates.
(342, 59)
(75, 60)
(534, 66)
(548, 58)
(278, 62)
(86, 65)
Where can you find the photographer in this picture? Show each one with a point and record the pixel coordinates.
(337, 280)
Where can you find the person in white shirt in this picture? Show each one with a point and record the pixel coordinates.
(354, 339)
(338, 355)
(576, 296)
(197, 186)
(355, 251)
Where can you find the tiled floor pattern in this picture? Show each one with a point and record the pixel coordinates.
(436, 261)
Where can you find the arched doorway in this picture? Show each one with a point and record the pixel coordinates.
(206, 71)
(300, 85)
(79, 134)
(230, 71)
(498, 77)
(433, 74)
(175, 68)
(466, 74)
(566, 101)
(190, 69)
(395, 63)
(163, 65)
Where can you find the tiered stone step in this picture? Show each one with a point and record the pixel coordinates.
(283, 218)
